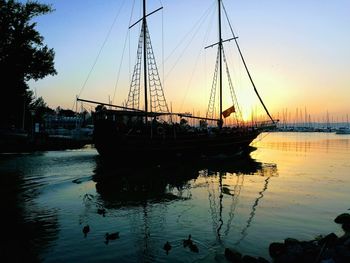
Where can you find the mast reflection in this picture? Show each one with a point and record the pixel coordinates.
(247, 167)
(142, 186)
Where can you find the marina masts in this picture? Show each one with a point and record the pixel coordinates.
(220, 64)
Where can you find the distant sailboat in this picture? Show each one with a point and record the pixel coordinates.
(129, 131)
(343, 130)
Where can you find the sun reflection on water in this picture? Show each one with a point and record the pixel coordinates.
(291, 185)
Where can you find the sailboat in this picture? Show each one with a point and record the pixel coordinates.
(344, 129)
(128, 131)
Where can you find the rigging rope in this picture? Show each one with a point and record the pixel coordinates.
(246, 67)
(211, 105)
(198, 25)
(99, 53)
(133, 100)
(197, 59)
(122, 58)
(235, 198)
(163, 71)
(232, 91)
(157, 98)
(211, 199)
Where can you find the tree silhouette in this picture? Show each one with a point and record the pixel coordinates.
(38, 109)
(23, 57)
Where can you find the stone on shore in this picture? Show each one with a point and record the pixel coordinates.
(328, 241)
(323, 249)
(276, 249)
(343, 218)
(346, 227)
(233, 255)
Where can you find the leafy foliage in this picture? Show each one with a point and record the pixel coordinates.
(23, 57)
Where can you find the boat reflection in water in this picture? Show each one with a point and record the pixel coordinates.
(172, 200)
(152, 181)
(128, 186)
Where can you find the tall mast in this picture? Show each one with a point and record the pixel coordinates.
(144, 25)
(220, 64)
(150, 68)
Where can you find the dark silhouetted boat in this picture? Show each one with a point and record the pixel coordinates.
(343, 130)
(128, 131)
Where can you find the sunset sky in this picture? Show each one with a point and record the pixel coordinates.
(298, 52)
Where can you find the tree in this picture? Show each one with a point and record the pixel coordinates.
(35, 110)
(38, 109)
(23, 57)
(65, 112)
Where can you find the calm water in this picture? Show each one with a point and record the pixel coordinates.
(292, 185)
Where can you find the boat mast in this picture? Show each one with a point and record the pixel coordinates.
(246, 68)
(220, 65)
(144, 27)
(150, 68)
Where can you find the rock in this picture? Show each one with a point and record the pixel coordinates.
(276, 249)
(262, 260)
(311, 250)
(249, 259)
(290, 241)
(233, 255)
(328, 260)
(342, 219)
(346, 241)
(342, 254)
(289, 252)
(295, 250)
(324, 249)
(329, 241)
(346, 227)
(327, 254)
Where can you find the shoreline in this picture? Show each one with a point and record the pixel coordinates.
(322, 249)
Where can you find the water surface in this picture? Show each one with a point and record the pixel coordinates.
(292, 185)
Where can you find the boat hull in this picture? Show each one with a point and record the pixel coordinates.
(343, 130)
(111, 143)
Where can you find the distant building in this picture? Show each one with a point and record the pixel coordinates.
(57, 121)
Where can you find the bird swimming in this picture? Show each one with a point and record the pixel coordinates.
(112, 236)
(101, 211)
(167, 247)
(86, 230)
(194, 248)
(187, 242)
